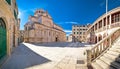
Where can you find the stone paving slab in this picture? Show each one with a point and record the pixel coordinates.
(31, 56)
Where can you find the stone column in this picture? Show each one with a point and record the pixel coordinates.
(103, 24)
(110, 21)
(110, 41)
(88, 57)
(97, 27)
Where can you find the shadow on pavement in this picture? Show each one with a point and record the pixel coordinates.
(62, 44)
(23, 57)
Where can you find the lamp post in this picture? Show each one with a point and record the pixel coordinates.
(79, 34)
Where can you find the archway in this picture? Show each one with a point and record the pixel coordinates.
(3, 41)
(56, 39)
(95, 39)
(99, 37)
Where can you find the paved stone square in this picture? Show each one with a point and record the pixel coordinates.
(60, 55)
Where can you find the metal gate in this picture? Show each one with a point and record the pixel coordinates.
(3, 46)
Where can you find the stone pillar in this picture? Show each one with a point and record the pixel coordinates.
(97, 38)
(88, 57)
(110, 21)
(103, 24)
(97, 26)
(94, 28)
(110, 42)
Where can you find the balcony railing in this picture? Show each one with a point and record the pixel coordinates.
(101, 46)
(116, 24)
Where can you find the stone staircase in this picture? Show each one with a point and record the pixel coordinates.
(110, 59)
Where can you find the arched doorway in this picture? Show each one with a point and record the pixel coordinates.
(3, 41)
(56, 39)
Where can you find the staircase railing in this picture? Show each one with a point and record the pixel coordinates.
(101, 46)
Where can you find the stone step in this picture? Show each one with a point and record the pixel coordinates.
(102, 64)
(118, 60)
(112, 57)
(115, 65)
(113, 53)
(106, 60)
(115, 50)
(110, 62)
(112, 67)
(96, 66)
(116, 46)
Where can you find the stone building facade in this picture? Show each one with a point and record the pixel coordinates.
(104, 26)
(9, 27)
(41, 28)
(69, 38)
(79, 33)
(21, 36)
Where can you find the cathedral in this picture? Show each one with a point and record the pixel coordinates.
(41, 28)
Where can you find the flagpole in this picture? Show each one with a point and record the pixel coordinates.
(106, 15)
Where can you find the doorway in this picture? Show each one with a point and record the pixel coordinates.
(3, 41)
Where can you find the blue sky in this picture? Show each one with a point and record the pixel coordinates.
(66, 12)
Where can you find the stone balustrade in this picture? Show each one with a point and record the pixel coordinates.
(101, 46)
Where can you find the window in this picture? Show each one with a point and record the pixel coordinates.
(25, 28)
(9, 2)
(77, 32)
(80, 32)
(15, 15)
(84, 29)
(74, 32)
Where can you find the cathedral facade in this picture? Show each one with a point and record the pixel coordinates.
(41, 28)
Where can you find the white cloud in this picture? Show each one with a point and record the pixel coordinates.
(72, 22)
(19, 15)
(68, 31)
(68, 22)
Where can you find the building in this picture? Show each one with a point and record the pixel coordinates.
(69, 38)
(9, 27)
(104, 33)
(41, 28)
(79, 32)
(21, 36)
(104, 26)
